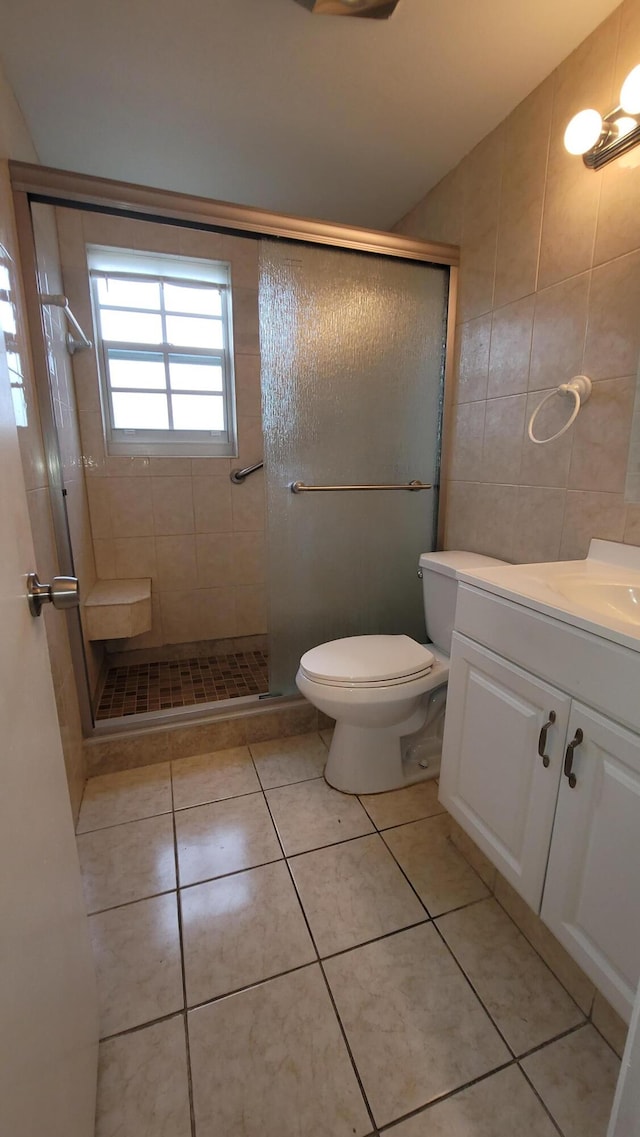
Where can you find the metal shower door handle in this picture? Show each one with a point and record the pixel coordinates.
(63, 592)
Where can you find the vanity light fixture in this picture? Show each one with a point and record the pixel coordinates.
(369, 9)
(599, 138)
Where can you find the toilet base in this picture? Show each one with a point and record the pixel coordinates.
(372, 761)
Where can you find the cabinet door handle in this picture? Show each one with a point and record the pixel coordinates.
(542, 741)
(568, 758)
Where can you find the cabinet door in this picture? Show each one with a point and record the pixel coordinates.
(592, 891)
(493, 779)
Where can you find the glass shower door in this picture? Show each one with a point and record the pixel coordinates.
(352, 372)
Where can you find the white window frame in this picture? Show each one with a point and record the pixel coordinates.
(170, 269)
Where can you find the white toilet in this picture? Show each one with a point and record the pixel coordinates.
(387, 693)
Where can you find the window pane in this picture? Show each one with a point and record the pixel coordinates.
(193, 332)
(128, 370)
(132, 327)
(140, 412)
(195, 373)
(193, 300)
(129, 293)
(198, 412)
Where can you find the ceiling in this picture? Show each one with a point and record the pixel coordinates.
(262, 103)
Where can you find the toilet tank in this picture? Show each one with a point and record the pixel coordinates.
(439, 589)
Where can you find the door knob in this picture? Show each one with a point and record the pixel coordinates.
(63, 592)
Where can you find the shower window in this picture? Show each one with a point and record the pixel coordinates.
(164, 338)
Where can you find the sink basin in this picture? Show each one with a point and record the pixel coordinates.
(600, 593)
(618, 600)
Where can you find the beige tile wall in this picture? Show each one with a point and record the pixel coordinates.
(178, 520)
(549, 288)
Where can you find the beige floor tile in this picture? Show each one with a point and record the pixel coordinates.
(415, 1028)
(224, 837)
(213, 777)
(576, 1079)
(271, 1062)
(127, 862)
(400, 806)
(327, 736)
(503, 1105)
(438, 872)
(287, 760)
(112, 799)
(354, 892)
(311, 814)
(136, 950)
(143, 1088)
(524, 999)
(240, 930)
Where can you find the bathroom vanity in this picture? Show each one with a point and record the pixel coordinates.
(541, 756)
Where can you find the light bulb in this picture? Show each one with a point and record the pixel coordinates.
(630, 93)
(625, 125)
(583, 132)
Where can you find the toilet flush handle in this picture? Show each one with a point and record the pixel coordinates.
(420, 574)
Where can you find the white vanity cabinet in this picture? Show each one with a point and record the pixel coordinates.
(502, 761)
(564, 833)
(591, 897)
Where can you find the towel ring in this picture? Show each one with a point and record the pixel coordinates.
(580, 388)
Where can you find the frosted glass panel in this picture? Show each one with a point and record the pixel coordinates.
(352, 362)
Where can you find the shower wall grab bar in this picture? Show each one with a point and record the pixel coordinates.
(57, 300)
(238, 476)
(299, 487)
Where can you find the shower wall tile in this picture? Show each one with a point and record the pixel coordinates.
(172, 505)
(550, 255)
(177, 520)
(135, 557)
(212, 504)
(176, 562)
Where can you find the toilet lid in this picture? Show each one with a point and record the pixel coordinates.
(366, 659)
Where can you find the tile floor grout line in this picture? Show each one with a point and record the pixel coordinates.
(540, 956)
(130, 903)
(130, 820)
(481, 1001)
(375, 939)
(540, 1099)
(322, 972)
(179, 1013)
(447, 1096)
(556, 1038)
(192, 1115)
(249, 986)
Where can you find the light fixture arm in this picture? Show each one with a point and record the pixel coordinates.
(601, 139)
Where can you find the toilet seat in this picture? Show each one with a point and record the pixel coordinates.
(367, 662)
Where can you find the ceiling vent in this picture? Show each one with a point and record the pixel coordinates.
(369, 9)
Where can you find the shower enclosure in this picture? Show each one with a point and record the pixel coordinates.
(339, 357)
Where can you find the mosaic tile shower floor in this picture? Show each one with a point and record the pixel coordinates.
(136, 689)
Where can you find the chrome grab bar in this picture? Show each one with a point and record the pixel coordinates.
(238, 476)
(299, 487)
(57, 300)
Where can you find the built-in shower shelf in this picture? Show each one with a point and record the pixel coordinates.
(118, 609)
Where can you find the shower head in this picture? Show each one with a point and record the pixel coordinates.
(369, 9)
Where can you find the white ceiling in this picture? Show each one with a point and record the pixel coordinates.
(260, 102)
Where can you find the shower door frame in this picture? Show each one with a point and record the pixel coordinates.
(68, 189)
